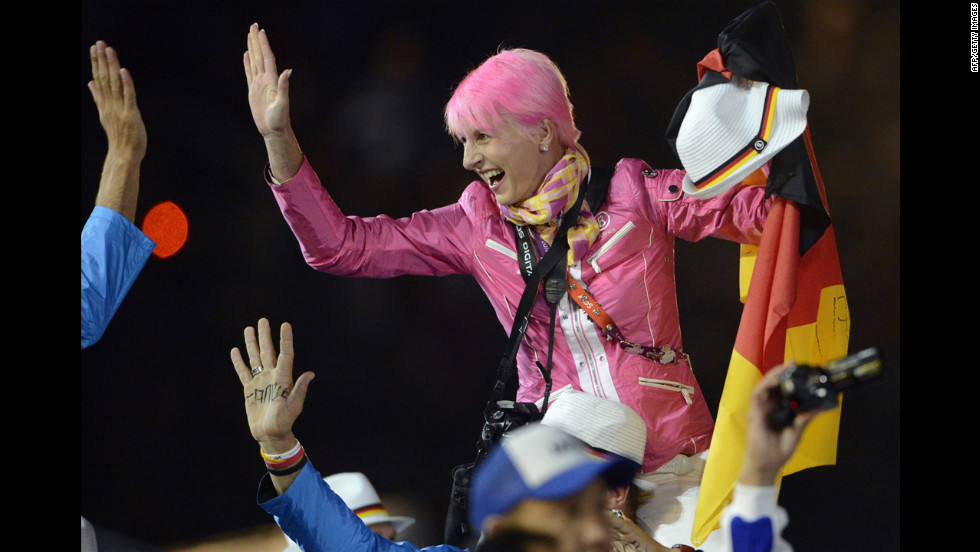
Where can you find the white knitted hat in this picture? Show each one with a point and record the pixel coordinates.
(733, 128)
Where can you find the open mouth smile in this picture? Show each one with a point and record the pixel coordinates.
(493, 178)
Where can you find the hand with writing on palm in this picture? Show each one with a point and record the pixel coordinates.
(272, 400)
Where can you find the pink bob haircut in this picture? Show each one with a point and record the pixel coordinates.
(516, 86)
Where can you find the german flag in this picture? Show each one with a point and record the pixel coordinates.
(795, 306)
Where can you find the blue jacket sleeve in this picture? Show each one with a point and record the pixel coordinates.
(313, 516)
(113, 254)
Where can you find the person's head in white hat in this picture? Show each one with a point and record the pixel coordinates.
(540, 480)
(606, 426)
(359, 495)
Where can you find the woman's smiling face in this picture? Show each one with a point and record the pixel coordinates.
(512, 163)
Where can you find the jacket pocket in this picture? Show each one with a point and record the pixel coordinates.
(620, 234)
(501, 248)
(684, 390)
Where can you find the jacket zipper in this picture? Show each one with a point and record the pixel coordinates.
(501, 248)
(684, 390)
(609, 244)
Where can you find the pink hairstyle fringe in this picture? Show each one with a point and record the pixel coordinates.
(518, 86)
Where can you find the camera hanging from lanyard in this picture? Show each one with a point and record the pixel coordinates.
(501, 415)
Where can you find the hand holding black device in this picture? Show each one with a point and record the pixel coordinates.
(804, 388)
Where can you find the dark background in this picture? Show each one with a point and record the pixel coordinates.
(405, 365)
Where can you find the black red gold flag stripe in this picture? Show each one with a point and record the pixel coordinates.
(752, 149)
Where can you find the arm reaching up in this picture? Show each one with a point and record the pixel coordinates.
(268, 98)
(767, 449)
(272, 400)
(115, 97)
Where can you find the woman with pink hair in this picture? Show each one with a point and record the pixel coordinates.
(617, 333)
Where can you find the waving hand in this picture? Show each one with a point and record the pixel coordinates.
(268, 99)
(272, 401)
(268, 91)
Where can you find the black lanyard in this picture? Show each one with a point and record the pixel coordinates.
(538, 269)
(550, 268)
(527, 254)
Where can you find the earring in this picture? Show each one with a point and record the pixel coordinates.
(544, 148)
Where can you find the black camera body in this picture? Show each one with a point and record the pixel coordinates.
(503, 416)
(806, 388)
(499, 418)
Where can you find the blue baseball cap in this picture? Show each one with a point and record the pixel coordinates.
(540, 462)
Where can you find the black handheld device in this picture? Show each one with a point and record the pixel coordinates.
(805, 388)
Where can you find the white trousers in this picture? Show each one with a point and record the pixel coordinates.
(669, 515)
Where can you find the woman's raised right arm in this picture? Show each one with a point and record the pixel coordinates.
(428, 242)
(268, 98)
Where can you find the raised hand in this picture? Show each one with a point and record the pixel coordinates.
(767, 449)
(115, 96)
(272, 401)
(268, 99)
(268, 91)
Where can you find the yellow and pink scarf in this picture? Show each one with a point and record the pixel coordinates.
(556, 195)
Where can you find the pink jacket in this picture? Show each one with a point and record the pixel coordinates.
(629, 270)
